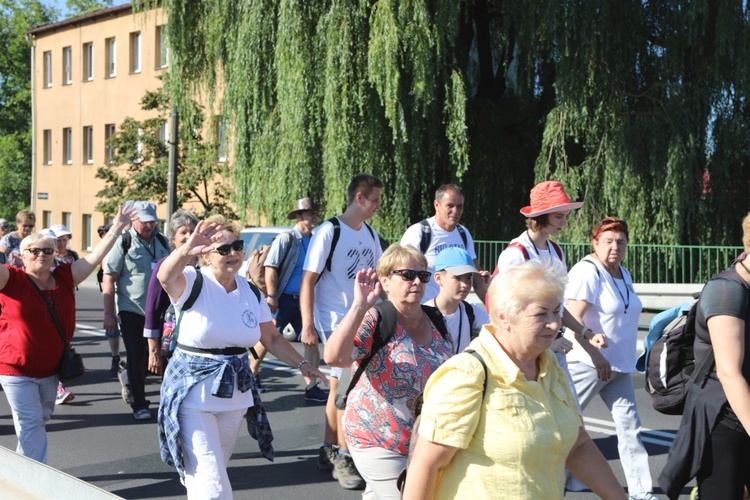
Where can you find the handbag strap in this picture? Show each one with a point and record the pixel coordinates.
(51, 310)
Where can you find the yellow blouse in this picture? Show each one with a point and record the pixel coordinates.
(512, 443)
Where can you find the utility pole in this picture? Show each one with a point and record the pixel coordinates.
(172, 172)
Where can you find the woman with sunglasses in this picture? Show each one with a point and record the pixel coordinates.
(380, 409)
(600, 294)
(31, 341)
(208, 387)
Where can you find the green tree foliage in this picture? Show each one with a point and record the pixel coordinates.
(16, 17)
(138, 170)
(81, 7)
(640, 108)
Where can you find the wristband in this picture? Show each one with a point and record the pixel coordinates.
(584, 331)
(113, 234)
(303, 362)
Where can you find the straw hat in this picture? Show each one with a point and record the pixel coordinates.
(549, 197)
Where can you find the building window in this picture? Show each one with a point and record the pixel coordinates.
(67, 146)
(162, 47)
(221, 140)
(111, 57)
(88, 139)
(88, 61)
(87, 228)
(47, 69)
(67, 65)
(109, 151)
(46, 219)
(67, 219)
(47, 138)
(135, 52)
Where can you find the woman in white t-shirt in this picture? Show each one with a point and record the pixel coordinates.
(208, 387)
(600, 294)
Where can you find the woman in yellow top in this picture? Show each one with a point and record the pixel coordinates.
(514, 437)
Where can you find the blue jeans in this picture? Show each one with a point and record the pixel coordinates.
(32, 401)
(289, 313)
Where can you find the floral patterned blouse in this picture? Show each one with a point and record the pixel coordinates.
(380, 409)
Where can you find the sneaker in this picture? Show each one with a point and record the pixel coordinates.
(142, 414)
(125, 383)
(694, 493)
(326, 456)
(63, 396)
(346, 473)
(644, 496)
(115, 366)
(316, 394)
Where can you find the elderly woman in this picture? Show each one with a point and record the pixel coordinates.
(712, 442)
(208, 387)
(380, 409)
(10, 243)
(31, 342)
(600, 294)
(181, 226)
(63, 254)
(509, 427)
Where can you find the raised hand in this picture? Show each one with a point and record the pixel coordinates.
(366, 288)
(202, 239)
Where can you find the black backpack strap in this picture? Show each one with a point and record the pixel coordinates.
(194, 292)
(437, 319)
(255, 290)
(334, 242)
(163, 240)
(426, 236)
(127, 240)
(462, 232)
(484, 366)
(384, 329)
(470, 314)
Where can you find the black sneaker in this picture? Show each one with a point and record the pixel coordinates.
(326, 457)
(316, 394)
(115, 366)
(346, 473)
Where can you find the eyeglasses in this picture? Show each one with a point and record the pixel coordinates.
(411, 275)
(29, 225)
(4, 226)
(37, 251)
(612, 220)
(236, 245)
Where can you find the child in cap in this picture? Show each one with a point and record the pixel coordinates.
(454, 269)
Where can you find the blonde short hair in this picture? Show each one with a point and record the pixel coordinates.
(224, 224)
(512, 290)
(395, 256)
(746, 232)
(34, 238)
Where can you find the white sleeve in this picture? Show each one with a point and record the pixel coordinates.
(189, 272)
(584, 283)
(320, 247)
(511, 256)
(265, 311)
(413, 236)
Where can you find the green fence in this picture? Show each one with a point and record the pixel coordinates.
(647, 263)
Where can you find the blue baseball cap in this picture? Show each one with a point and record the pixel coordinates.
(456, 261)
(146, 211)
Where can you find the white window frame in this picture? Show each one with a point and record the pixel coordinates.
(67, 146)
(47, 141)
(135, 52)
(67, 65)
(88, 61)
(111, 63)
(88, 226)
(47, 56)
(88, 144)
(162, 47)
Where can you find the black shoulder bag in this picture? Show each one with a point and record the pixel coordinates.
(71, 364)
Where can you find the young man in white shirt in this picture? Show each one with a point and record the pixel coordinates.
(327, 289)
(432, 235)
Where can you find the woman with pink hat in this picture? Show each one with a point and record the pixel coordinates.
(546, 216)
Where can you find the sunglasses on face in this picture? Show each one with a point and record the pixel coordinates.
(37, 251)
(5, 226)
(611, 220)
(236, 245)
(29, 225)
(411, 275)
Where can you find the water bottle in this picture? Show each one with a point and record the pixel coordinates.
(167, 331)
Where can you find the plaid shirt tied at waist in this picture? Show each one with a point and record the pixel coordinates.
(184, 371)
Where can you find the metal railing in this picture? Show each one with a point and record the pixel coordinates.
(646, 263)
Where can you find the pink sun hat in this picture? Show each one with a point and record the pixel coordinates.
(549, 197)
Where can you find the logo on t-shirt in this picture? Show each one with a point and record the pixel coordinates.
(249, 319)
(439, 248)
(359, 258)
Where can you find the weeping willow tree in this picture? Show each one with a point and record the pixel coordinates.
(640, 108)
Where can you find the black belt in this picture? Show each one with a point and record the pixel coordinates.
(227, 351)
(295, 297)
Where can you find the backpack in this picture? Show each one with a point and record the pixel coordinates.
(424, 242)
(385, 327)
(256, 269)
(526, 256)
(126, 242)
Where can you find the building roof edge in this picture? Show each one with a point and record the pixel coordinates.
(73, 21)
